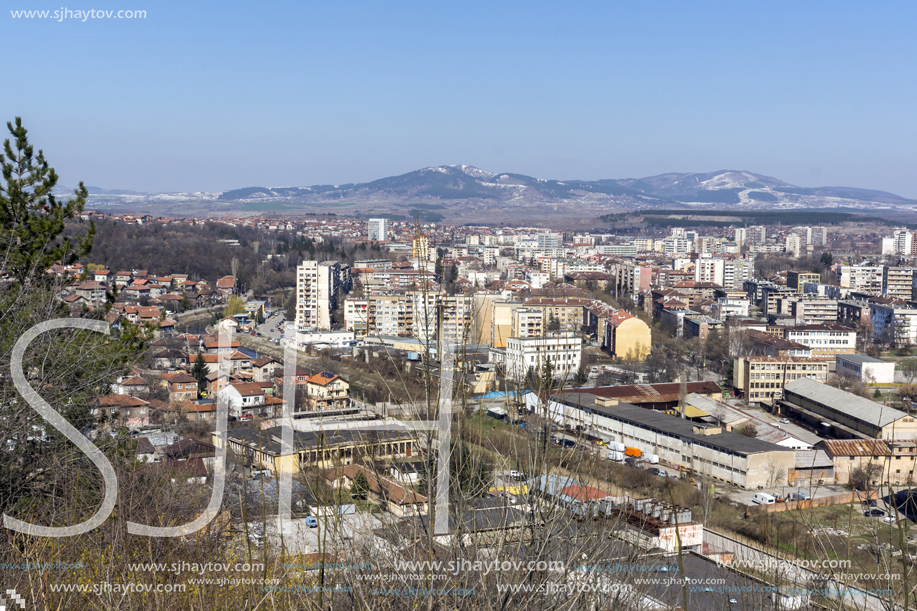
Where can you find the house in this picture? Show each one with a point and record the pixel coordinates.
(238, 361)
(170, 358)
(145, 451)
(131, 385)
(129, 411)
(92, 291)
(243, 399)
(327, 391)
(226, 285)
(182, 387)
(211, 345)
(263, 369)
(391, 496)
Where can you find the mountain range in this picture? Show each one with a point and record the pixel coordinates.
(447, 186)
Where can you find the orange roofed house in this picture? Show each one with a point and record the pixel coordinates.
(327, 391)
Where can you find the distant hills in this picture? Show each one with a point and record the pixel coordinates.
(465, 190)
(464, 182)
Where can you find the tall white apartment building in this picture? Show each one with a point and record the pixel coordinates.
(904, 242)
(317, 287)
(755, 236)
(377, 230)
(708, 269)
(741, 236)
(862, 278)
(794, 245)
(818, 236)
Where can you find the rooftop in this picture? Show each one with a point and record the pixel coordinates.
(854, 406)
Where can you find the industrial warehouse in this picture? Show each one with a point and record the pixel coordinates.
(703, 448)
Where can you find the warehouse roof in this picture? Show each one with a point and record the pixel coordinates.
(672, 425)
(860, 359)
(847, 403)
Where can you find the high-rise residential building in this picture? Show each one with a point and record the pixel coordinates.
(317, 289)
(898, 282)
(794, 245)
(904, 242)
(548, 240)
(755, 236)
(818, 236)
(741, 236)
(709, 269)
(378, 230)
(862, 278)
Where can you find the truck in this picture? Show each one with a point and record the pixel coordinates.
(633, 452)
(616, 455)
(617, 446)
(652, 459)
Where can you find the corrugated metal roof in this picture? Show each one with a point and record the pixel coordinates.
(854, 406)
(813, 459)
(856, 447)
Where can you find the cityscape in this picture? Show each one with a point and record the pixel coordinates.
(384, 387)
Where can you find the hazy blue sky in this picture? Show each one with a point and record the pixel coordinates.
(207, 95)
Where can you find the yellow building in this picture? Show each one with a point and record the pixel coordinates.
(501, 322)
(626, 336)
(322, 450)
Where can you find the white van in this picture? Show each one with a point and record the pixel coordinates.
(763, 498)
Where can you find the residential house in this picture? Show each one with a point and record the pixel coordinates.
(327, 391)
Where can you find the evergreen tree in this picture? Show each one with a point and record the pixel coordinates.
(31, 218)
(360, 486)
(199, 371)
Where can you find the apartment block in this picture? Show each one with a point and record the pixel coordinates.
(898, 282)
(826, 341)
(797, 280)
(377, 230)
(564, 350)
(762, 379)
(862, 278)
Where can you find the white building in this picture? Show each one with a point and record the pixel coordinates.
(866, 368)
(903, 241)
(862, 278)
(726, 307)
(794, 245)
(377, 230)
(317, 287)
(564, 350)
(891, 324)
(708, 269)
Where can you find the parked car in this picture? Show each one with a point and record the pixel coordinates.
(870, 503)
(784, 421)
(875, 513)
(660, 472)
(311, 522)
(888, 519)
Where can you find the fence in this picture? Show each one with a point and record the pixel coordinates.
(823, 501)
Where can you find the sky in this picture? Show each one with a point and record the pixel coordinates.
(211, 96)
